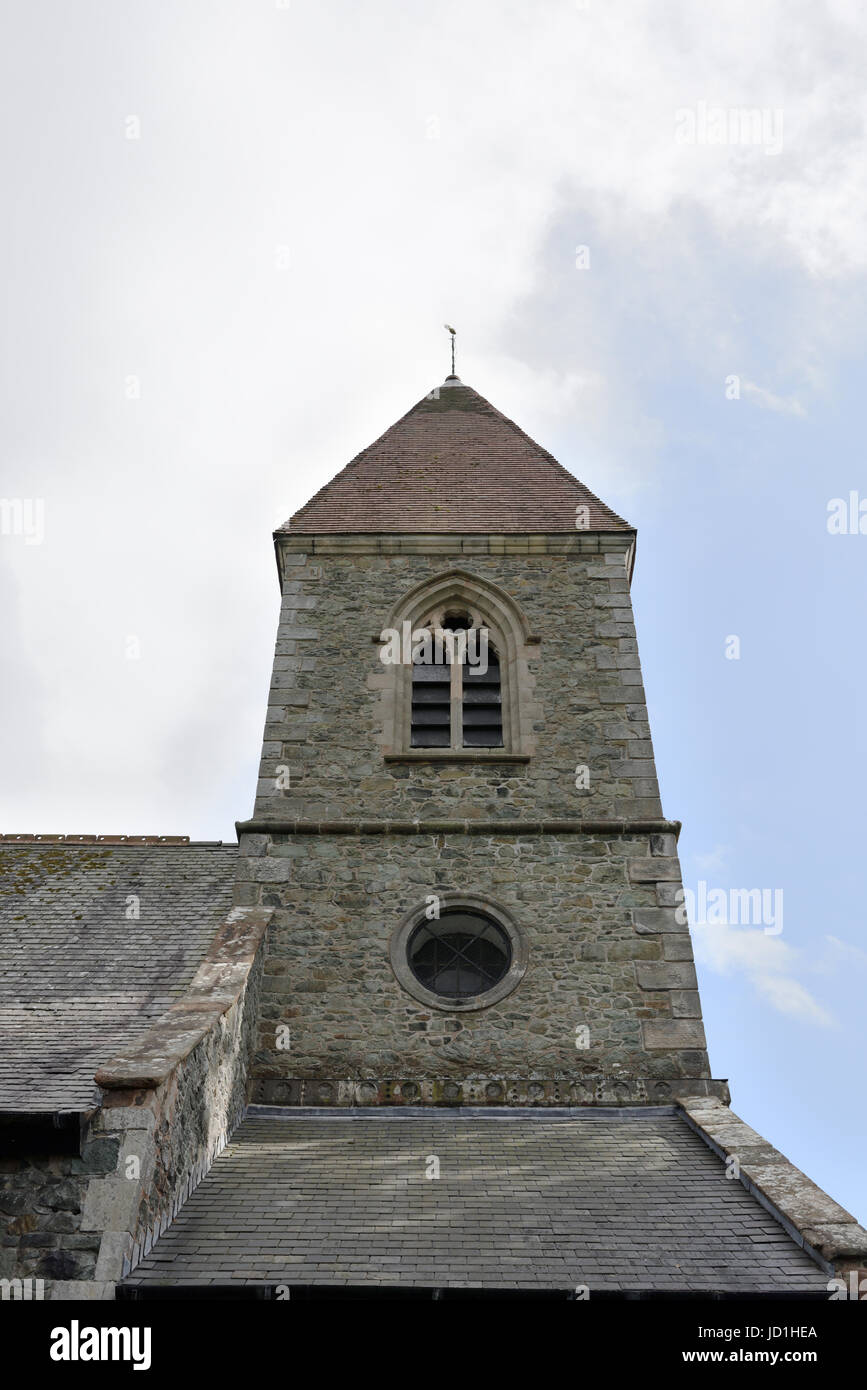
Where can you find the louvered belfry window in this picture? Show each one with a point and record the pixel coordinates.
(455, 704)
(482, 706)
(431, 706)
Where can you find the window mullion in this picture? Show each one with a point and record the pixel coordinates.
(457, 706)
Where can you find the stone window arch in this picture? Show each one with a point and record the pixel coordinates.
(468, 714)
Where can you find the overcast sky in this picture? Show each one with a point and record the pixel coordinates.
(232, 233)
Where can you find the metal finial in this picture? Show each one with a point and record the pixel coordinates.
(452, 331)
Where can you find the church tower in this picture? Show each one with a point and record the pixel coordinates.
(475, 888)
(471, 1036)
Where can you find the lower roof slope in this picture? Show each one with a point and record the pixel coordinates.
(80, 980)
(619, 1201)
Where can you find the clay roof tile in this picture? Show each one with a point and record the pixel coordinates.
(453, 463)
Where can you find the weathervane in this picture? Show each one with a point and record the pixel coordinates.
(452, 331)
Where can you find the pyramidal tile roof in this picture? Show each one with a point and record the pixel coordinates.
(456, 464)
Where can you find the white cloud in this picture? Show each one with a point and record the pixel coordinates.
(714, 861)
(840, 955)
(789, 996)
(767, 962)
(785, 405)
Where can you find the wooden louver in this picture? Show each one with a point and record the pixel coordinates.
(482, 706)
(457, 706)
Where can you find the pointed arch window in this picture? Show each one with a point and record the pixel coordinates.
(457, 694)
(462, 685)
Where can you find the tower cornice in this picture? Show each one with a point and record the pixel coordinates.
(465, 544)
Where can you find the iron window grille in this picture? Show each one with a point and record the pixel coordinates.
(459, 955)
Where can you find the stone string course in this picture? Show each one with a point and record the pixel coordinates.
(459, 827)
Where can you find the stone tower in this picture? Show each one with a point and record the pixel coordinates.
(473, 881)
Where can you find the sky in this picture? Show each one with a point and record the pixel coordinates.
(233, 232)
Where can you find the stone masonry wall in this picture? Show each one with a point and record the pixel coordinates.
(603, 950)
(325, 710)
(41, 1201)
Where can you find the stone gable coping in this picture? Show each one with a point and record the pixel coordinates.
(176, 1130)
(825, 1229)
(215, 987)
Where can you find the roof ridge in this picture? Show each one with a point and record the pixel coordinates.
(182, 840)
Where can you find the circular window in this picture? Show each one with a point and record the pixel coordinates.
(459, 955)
(468, 957)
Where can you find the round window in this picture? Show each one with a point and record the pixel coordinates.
(459, 955)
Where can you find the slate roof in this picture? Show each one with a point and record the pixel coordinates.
(453, 463)
(618, 1200)
(79, 981)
